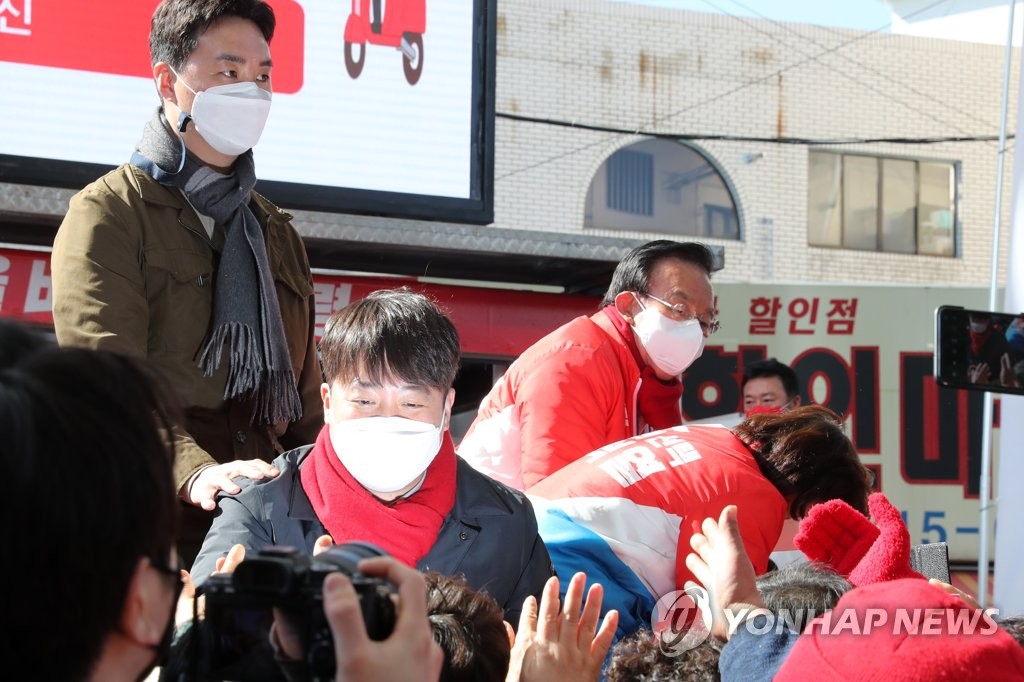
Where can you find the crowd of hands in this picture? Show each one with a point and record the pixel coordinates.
(981, 373)
(554, 640)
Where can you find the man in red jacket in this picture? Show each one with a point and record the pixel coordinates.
(599, 379)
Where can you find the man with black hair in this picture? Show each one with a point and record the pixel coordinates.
(769, 386)
(383, 468)
(599, 379)
(87, 427)
(174, 258)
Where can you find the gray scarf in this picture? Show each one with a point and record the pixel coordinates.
(245, 318)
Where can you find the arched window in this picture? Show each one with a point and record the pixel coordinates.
(661, 186)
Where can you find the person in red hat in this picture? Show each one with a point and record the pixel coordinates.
(888, 627)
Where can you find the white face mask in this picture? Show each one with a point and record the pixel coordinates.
(979, 327)
(671, 345)
(230, 117)
(385, 454)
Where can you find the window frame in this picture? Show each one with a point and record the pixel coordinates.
(880, 236)
(727, 185)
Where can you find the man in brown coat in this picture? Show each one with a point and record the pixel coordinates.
(172, 257)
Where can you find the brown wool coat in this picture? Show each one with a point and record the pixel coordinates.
(134, 271)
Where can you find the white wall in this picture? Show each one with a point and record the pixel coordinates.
(629, 67)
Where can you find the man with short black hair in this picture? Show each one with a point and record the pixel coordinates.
(88, 427)
(769, 386)
(383, 469)
(599, 379)
(174, 258)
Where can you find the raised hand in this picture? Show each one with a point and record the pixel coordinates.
(557, 644)
(721, 564)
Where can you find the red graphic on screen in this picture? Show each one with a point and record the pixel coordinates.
(113, 37)
(402, 26)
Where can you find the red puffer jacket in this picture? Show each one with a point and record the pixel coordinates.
(570, 393)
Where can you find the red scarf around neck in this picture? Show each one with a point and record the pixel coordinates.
(406, 528)
(978, 341)
(657, 401)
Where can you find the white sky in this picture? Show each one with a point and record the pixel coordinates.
(867, 15)
(972, 20)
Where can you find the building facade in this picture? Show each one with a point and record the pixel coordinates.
(627, 67)
(758, 100)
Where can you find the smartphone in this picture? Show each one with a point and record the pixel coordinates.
(981, 350)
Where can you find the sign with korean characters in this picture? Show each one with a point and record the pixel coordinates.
(866, 352)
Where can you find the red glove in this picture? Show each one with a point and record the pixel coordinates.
(835, 534)
(889, 556)
(839, 536)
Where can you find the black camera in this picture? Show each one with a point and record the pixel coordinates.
(231, 641)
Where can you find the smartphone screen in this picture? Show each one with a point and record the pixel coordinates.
(979, 349)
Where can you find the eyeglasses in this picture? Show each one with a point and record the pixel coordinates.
(683, 312)
(175, 573)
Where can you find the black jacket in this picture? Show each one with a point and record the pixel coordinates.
(490, 535)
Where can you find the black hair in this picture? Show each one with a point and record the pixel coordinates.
(392, 333)
(803, 589)
(633, 273)
(469, 627)
(178, 24)
(772, 368)
(90, 493)
(807, 457)
(640, 657)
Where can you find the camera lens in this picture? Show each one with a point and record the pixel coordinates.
(347, 556)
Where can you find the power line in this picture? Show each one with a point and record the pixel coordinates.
(756, 81)
(868, 86)
(784, 69)
(806, 141)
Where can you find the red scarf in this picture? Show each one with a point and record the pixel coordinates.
(406, 528)
(978, 341)
(657, 401)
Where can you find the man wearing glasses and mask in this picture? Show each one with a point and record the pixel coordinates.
(599, 379)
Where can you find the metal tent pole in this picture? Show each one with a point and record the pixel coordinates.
(984, 502)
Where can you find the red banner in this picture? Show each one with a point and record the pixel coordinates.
(113, 37)
(494, 323)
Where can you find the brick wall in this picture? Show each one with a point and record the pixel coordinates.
(639, 68)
